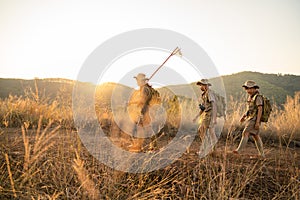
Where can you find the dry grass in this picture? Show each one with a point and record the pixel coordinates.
(283, 126)
(285, 122)
(42, 157)
(88, 186)
(17, 110)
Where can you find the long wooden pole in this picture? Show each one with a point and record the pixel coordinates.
(173, 53)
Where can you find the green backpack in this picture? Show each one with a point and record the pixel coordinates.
(267, 108)
(221, 105)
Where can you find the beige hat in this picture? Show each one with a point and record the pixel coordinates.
(203, 82)
(250, 84)
(141, 76)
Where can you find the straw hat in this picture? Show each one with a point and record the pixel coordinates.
(203, 82)
(250, 84)
(141, 76)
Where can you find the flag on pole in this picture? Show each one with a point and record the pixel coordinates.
(177, 52)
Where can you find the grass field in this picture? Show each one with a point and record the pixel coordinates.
(42, 157)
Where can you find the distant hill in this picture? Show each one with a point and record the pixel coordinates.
(50, 87)
(275, 86)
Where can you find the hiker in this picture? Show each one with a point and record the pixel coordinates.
(141, 114)
(252, 117)
(208, 117)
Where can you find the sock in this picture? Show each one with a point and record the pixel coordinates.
(259, 146)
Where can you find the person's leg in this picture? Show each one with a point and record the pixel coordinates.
(204, 140)
(152, 138)
(212, 136)
(137, 138)
(136, 144)
(208, 141)
(243, 141)
(259, 145)
(133, 135)
(201, 133)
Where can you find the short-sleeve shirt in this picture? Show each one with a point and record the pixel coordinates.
(253, 102)
(207, 98)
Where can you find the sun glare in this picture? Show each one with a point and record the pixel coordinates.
(148, 61)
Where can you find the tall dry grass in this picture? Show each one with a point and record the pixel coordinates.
(284, 123)
(15, 110)
(88, 186)
(42, 159)
(283, 126)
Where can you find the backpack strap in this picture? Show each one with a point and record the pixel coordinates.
(255, 97)
(146, 90)
(252, 107)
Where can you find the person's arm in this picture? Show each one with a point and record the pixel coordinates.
(243, 118)
(258, 117)
(133, 98)
(197, 116)
(214, 112)
(145, 99)
(259, 104)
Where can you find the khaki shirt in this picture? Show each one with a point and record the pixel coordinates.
(252, 103)
(139, 104)
(207, 98)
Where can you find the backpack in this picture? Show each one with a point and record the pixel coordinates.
(267, 108)
(221, 105)
(155, 96)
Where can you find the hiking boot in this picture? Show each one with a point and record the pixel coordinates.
(236, 152)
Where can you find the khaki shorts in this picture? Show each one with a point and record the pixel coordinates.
(249, 127)
(205, 119)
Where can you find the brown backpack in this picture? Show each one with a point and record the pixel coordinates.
(155, 96)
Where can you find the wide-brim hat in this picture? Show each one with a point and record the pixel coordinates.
(203, 82)
(250, 84)
(141, 76)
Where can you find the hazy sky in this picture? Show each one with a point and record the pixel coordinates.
(52, 38)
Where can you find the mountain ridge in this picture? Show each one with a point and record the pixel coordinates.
(275, 86)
